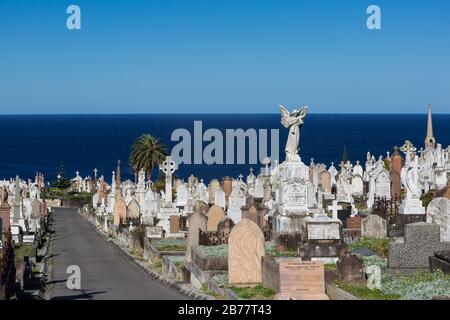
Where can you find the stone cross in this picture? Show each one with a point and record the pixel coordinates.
(334, 208)
(266, 163)
(168, 167)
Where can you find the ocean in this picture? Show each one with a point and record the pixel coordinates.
(31, 143)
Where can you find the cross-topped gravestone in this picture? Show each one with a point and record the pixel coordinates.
(168, 167)
(334, 208)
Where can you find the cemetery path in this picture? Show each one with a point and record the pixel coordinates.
(105, 273)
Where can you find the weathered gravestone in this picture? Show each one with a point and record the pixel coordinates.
(133, 209)
(255, 211)
(438, 211)
(421, 241)
(440, 261)
(5, 217)
(196, 222)
(351, 269)
(174, 224)
(245, 249)
(154, 232)
(215, 216)
(236, 202)
(373, 226)
(302, 280)
(120, 212)
(373, 277)
(224, 228)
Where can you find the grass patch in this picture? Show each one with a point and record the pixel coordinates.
(330, 267)
(169, 244)
(379, 246)
(214, 251)
(156, 266)
(272, 251)
(256, 293)
(421, 286)
(23, 251)
(364, 293)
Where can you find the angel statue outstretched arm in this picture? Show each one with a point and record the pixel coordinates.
(292, 121)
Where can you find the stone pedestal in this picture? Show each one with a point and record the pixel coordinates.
(411, 206)
(293, 191)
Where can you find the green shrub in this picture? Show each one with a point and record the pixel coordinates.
(364, 293)
(379, 246)
(420, 286)
(221, 279)
(259, 292)
(214, 251)
(272, 251)
(138, 234)
(169, 244)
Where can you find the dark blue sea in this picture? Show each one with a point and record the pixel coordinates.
(31, 143)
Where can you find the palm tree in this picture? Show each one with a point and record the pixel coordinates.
(147, 152)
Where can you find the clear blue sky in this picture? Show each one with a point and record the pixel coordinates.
(224, 56)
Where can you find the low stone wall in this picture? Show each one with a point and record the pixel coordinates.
(208, 263)
(336, 293)
(152, 254)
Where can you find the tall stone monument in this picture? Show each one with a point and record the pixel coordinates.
(291, 178)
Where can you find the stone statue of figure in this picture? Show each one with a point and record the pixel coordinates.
(292, 121)
(409, 174)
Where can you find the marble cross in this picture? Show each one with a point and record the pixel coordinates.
(334, 208)
(168, 167)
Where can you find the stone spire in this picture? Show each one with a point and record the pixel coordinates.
(118, 182)
(430, 141)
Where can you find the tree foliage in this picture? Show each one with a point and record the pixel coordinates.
(147, 152)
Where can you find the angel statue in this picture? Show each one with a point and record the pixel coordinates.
(292, 121)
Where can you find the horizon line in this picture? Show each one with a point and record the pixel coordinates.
(214, 113)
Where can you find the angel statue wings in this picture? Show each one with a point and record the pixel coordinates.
(292, 121)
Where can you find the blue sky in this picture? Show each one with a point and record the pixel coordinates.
(224, 56)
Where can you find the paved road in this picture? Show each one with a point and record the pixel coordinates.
(105, 273)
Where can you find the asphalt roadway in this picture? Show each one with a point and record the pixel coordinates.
(104, 271)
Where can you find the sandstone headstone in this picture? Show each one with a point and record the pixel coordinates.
(120, 211)
(396, 168)
(245, 249)
(133, 209)
(302, 280)
(5, 216)
(255, 211)
(174, 224)
(325, 181)
(215, 216)
(351, 269)
(354, 222)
